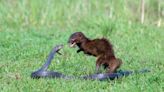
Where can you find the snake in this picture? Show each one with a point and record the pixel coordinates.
(44, 73)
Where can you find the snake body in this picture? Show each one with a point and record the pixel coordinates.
(44, 73)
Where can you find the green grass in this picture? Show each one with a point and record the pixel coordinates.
(29, 29)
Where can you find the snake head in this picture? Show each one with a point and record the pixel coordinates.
(57, 48)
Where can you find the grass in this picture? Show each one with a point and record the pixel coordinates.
(29, 29)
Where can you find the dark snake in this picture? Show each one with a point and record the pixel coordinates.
(44, 73)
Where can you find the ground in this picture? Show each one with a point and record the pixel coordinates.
(30, 29)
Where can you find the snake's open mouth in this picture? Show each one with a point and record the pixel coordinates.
(72, 44)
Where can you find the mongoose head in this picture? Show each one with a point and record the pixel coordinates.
(76, 38)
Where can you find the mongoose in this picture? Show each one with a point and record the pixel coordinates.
(100, 48)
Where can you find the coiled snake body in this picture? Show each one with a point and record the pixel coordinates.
(43, 73)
